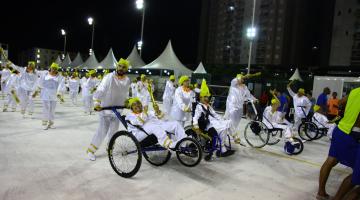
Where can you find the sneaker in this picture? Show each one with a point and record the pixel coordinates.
(225, 154)
(91, 156)
(293, 142)
(208, 157)
(44, 122)
(51, 124)
(4, 109)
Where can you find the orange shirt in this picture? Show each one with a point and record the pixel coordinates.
(333, 106)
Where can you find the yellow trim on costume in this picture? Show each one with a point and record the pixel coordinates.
(167, 142)
(94, 146)
(91, 151)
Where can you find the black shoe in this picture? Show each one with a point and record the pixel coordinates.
(208, 157)
(225, 154)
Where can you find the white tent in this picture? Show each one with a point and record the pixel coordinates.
(90, 63)
(58, 60)
(296, 76)
(135, 59)
(200, 69)
(66, 62)
(109, 61)
(168, 60)
(77, 61)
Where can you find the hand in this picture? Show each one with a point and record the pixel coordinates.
(187, 109)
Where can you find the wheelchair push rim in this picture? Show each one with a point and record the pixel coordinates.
(256, 138)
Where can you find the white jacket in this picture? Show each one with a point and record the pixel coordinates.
(300, 101)
(28, 81)
(216, 121)
(50, 86)
(74, 84)
(182, 101)
(169, 91)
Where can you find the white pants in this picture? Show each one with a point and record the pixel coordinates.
(88, 100)
(297, 122)
(107, 127)
(167, 105)
(10, 101)
(73, 96)
(49, 110)
(235, 117)
(26, 100)
(3, 86)
(285, 128)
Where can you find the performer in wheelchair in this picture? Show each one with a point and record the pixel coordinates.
(207, 120)
(272, 118)
(113, 90)
(322, 121)
(151, 122)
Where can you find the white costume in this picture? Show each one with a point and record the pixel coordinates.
(133, 89)
(235, 102)
(322, 121)
(5, 75)
(112, 91)
(12, 85)
(50, 87)
(168, 96)
(223, 127)
(299, 102)
(90, 85)
(28, 85)
(182, 101)
(152, 125)
(74, 84)
(143, 93)
(82, 85)
(275, 120)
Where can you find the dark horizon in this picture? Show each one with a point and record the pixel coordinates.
(117, 26)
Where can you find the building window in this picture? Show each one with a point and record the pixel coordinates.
(277, 47)
(349, 11)
(277, 56)
(267, 55)
(278, 38)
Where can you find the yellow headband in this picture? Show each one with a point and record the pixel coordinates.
(131, 101)
(142, 76)
(275, 101)
(316, 108)
(204, 90)
(91, 72)
(124, 63)
(183, 79)
(240, 76)
(301, 90)
(31, 63)
(172, 77)
(55, 66)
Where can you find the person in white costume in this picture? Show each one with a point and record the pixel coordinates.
(89, 89)
(238, 94)
(153, 124)
(12, 86)
(74, 84)
(168, 95)
(112, 91)
(143, 92)
(302, 105)
(215, 125)
(182, 103)
(50, 84)
(133, 88)
(83, 85)
(322, 121)
(5, 75)
(28, 86)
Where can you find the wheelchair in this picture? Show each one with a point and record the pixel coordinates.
(258, 135)
(308, 130)
(208, 144)
(125, 151)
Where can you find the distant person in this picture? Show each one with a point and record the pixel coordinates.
(283, 103)
(322, 100)
(333, 106)
(312, 100)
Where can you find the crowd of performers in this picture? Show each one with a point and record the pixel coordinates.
(182, 103)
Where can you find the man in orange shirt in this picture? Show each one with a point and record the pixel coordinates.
(333, 105)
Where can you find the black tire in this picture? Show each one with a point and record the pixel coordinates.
(262, 136)
(301, 146)
(205, 144)
(308, 131)
(274, 137)
(157, 156)
(122, 145)
(228, 142)
(321, 133)
(188, 152)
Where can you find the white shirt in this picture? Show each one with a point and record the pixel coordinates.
(169, 90)
(299, 102)
(50, 86)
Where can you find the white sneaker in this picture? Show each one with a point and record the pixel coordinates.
(91, 156)
(44, 122)
(51, 124)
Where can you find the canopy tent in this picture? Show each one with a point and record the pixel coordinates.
(296, 76)
(168, 60)
(77, 61)
(58, 60)
(66, 62)
(135, 59)
(200, 69)
(90, 63)
(109, 61)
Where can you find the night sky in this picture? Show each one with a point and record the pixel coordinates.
(28, 24)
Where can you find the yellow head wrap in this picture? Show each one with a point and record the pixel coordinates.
(106, 72)
(131, 101)
(172, 77)
(301, 90)
(204, 90)
(275, 101)
(31, 63)
(91, 72)
(124, 63)
(316, 108)
(240, 76)
(142, 76)
(55, 66)
(183, 79)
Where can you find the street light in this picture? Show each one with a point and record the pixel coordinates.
(91, 22)
(141, 6)
(251, 34)
(63, 33)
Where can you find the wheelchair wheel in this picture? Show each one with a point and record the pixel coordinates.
(308, 131)
(203, 142)
(256, 134)
(156, 155)
(321, 132)
(274, 137)
(294, 149)
(228, 142)
(124, 154)
(188, 152)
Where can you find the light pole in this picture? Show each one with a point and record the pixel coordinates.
(251, 33)
(91, 22)
(63, 33)
(140, 6)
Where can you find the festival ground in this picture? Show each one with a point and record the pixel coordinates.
(52, 164)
